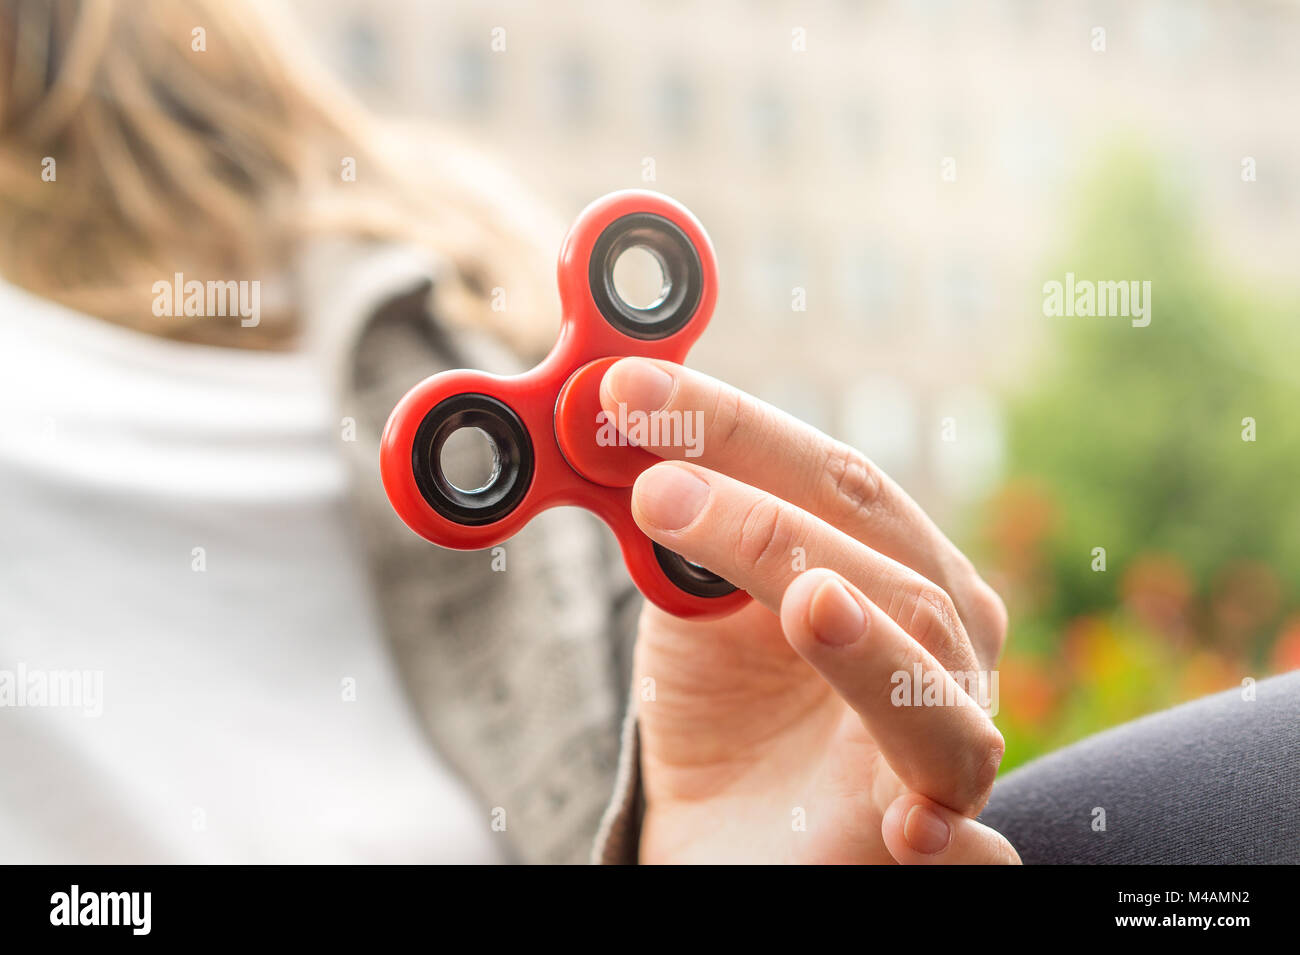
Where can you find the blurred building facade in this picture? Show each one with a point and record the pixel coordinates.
(907, 165)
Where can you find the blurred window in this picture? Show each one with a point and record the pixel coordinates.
(773, 271)
(864, 283)
(470, 76)
(880, 417)
(768, 120)
(364, 55)
(960, 296)
(966, 442)
(573, 84)
(859, 132)
(1029, 147)
(675, 104)
(1173, 30)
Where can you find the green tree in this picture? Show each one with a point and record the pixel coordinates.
(1135, 437)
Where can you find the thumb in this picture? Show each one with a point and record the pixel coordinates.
(919, 831)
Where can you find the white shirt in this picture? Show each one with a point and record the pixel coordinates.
(179, 571)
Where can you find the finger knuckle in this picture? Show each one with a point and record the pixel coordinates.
(767, 531)
(731, 416)
(989, 752)
(976, 765)
(932, 620)
(854, 483)
(990, 617)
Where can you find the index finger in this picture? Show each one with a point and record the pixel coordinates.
(726, 430)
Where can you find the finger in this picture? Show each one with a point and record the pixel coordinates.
(759, 445)
(938, 741)
(753, 538)
(919, 831)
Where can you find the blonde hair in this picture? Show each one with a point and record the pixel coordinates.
(218, 163)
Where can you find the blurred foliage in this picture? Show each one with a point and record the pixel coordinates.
(1131, 439)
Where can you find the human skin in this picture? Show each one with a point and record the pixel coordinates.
(770, 735)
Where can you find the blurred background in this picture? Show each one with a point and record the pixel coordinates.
(889, 185)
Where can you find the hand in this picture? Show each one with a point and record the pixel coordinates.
(781, 714)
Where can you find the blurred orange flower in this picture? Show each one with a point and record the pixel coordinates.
(1021, 516)
(1027, 690)
(1093, 651)
(1157, 590)
(1246, 595)
(1208, 672)
(1286, 652)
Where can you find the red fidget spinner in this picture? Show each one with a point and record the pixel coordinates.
(544, 423)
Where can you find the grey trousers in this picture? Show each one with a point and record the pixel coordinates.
(1216, 780)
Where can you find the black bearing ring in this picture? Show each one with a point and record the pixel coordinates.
(514, 454)
(683, 271)
(692, 578)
